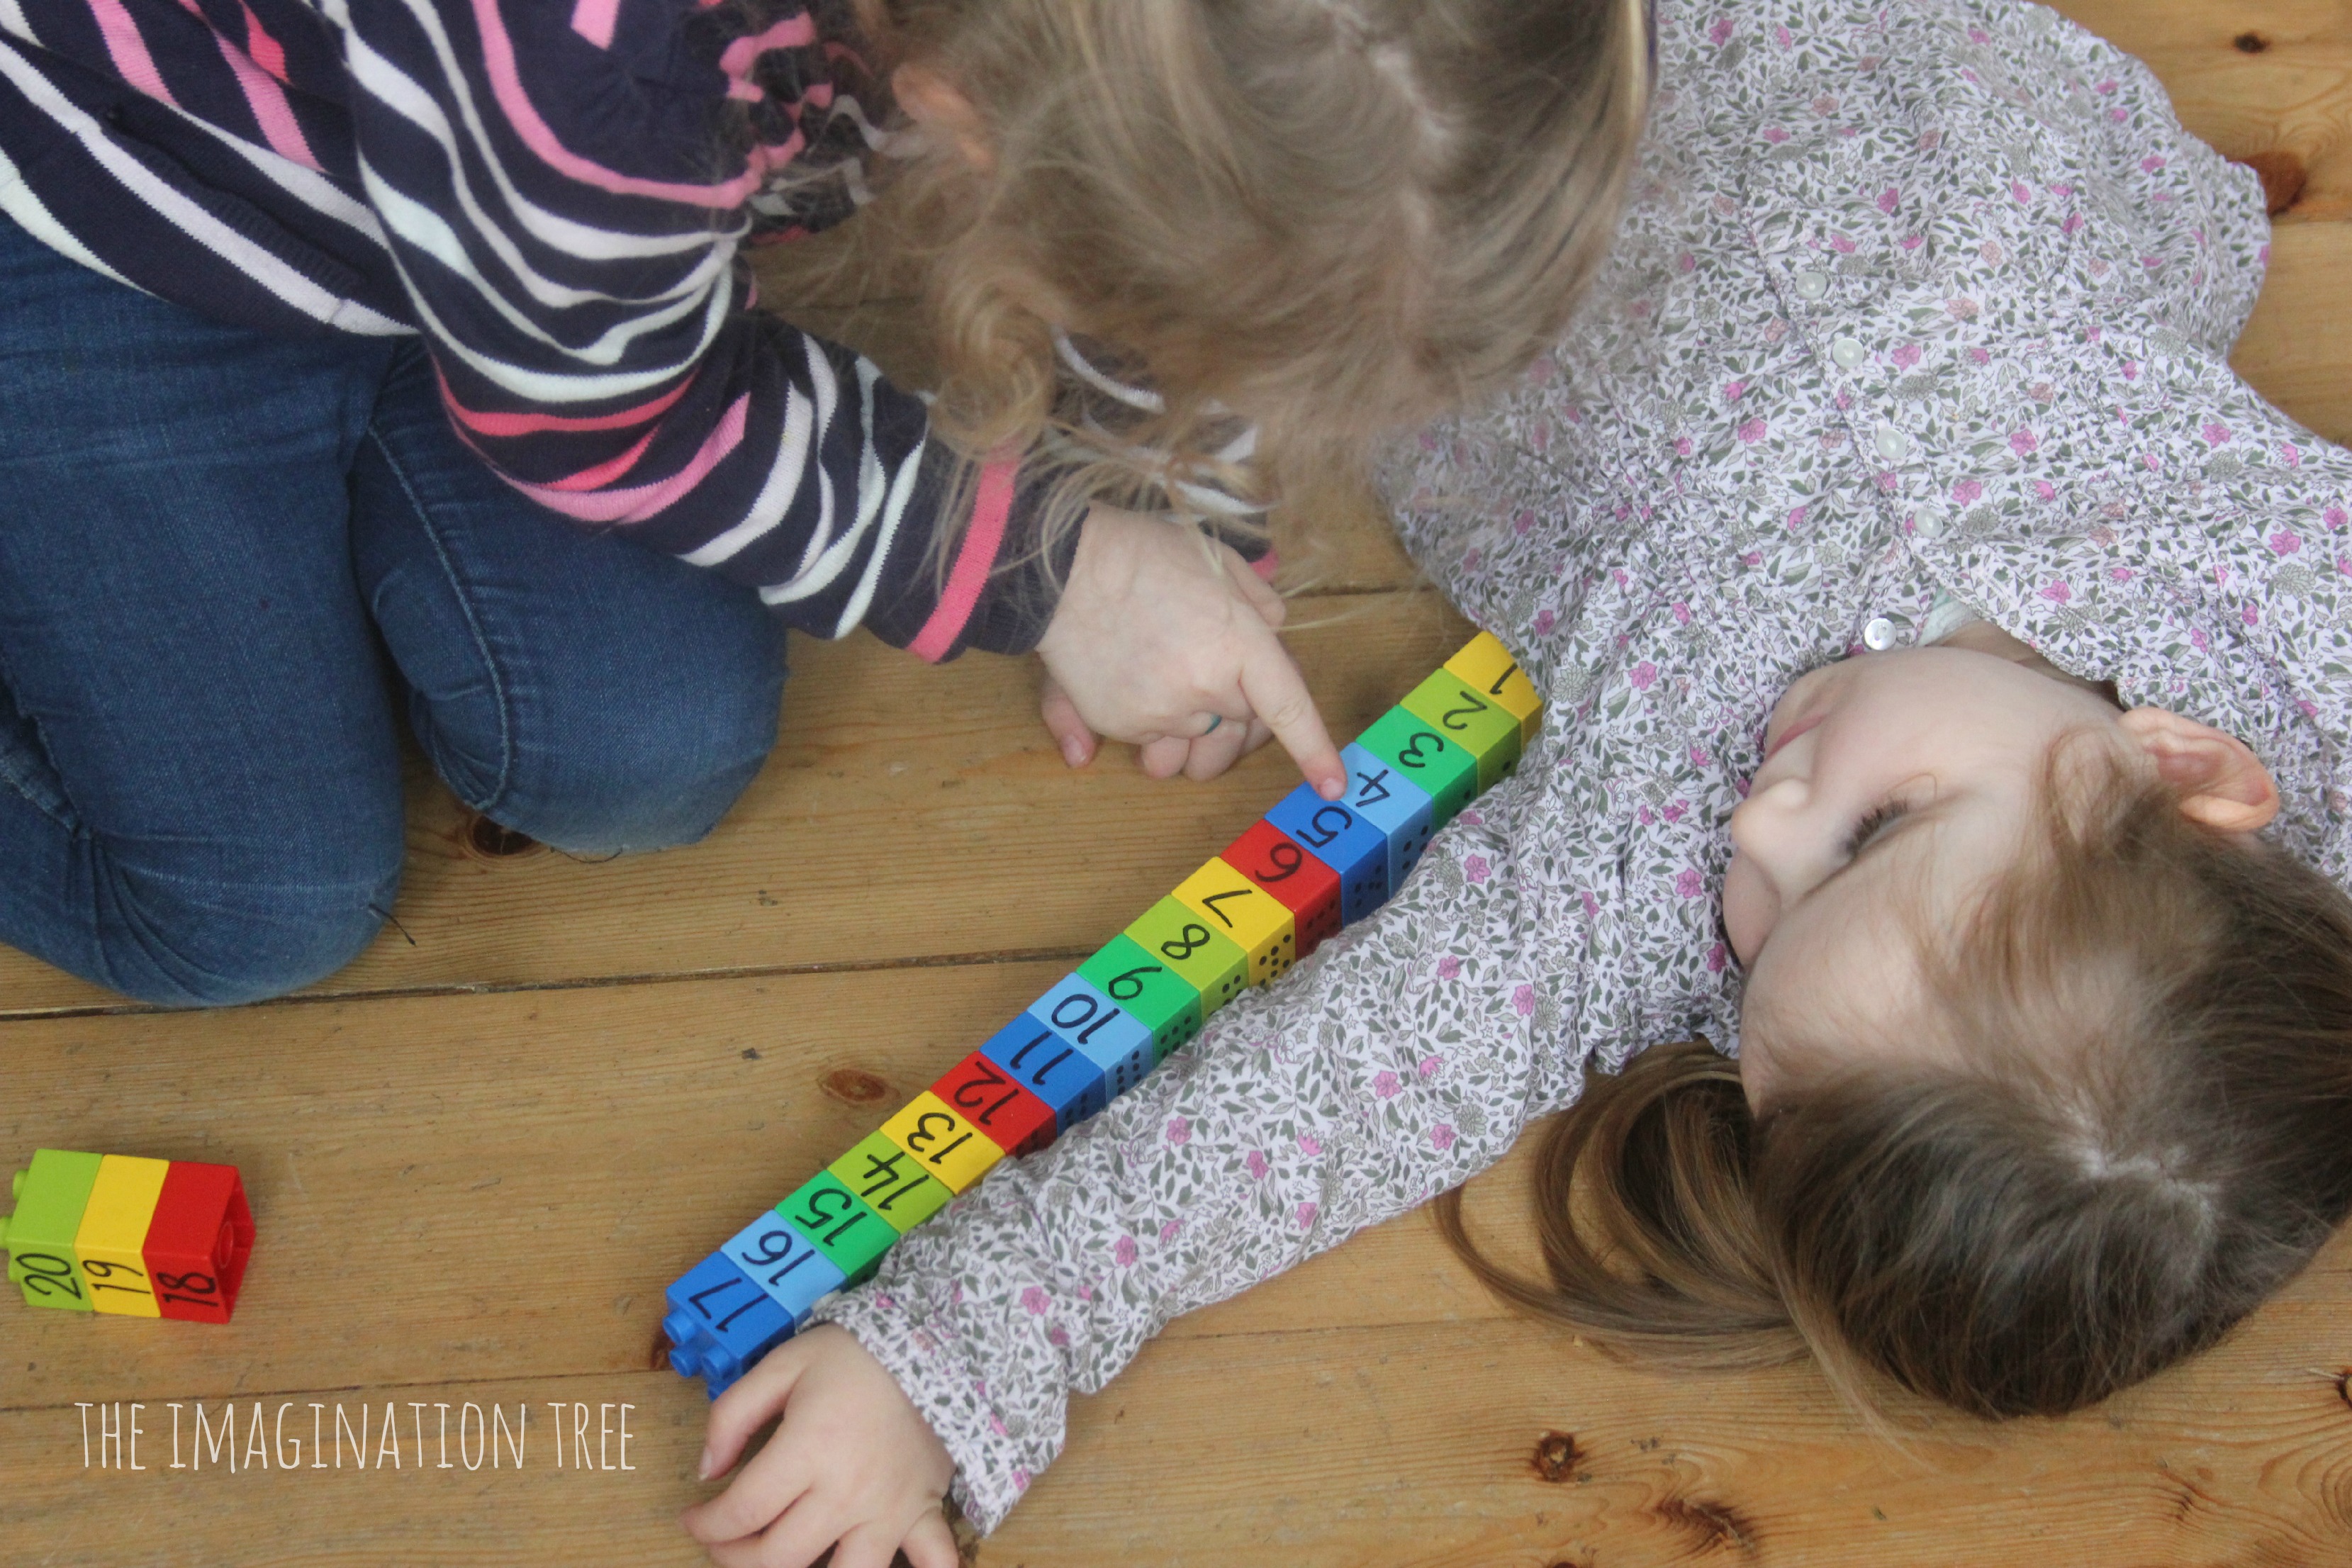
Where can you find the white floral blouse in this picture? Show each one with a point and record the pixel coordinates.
(1916, 300)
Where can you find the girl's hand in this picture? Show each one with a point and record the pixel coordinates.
(1167, 639)
(853, 1465)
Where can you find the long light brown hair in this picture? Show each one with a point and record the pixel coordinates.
(1335, 217)
(2152, 1134)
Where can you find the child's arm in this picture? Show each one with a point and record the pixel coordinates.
(594, 332)
(1402, 1059)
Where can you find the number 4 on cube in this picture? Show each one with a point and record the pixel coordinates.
(1378, 792)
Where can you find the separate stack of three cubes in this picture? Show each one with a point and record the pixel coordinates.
(128, 1235)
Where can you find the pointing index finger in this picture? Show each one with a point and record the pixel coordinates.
(1277, 694)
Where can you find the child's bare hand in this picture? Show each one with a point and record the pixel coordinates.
(853, 1465)
(1169, 641)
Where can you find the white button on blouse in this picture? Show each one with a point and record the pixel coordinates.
(1891, 443)
(1848, 353)
(1812, 285)
(1884, 632)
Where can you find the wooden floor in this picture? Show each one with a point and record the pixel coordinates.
(478, 1155)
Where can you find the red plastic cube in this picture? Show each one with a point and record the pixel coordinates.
(198, 1241)
(1007, 1115)
(1305, 885)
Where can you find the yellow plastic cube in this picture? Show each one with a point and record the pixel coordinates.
(113, 1235)
(1485, 663)
(1260, 924)
(948, 1147)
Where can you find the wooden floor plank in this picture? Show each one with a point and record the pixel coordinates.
(2297, 350)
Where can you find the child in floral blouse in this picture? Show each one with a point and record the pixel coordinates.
(1948, 681)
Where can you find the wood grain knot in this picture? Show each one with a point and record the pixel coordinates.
(2344, 1389)
(1556, 1457)
(853, 1086)
(658, 1361)
(1715, 1524)
(2283, 178)
(2249, 43)
(495, 841)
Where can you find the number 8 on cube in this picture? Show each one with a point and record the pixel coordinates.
(1245, 913)
(1215, 966)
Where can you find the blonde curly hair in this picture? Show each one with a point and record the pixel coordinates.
(1331, 218)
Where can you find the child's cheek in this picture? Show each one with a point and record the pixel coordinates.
(1750, 907)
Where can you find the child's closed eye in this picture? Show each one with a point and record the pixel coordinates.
(1874, 821)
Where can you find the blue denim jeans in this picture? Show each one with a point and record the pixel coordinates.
(226, 561)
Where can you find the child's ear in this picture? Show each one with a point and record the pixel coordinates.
(2222, 784)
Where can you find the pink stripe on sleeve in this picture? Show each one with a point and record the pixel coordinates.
(641, 502)
(593, 20)
(265, 52)
(506, 86)
(536, 424)
(991, 506)
(266, 96)
(128, 49)
(792, 33)
(606, 472)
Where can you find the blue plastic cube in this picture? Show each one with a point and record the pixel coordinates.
(1050, 1067)
(1378, 792)
(1352, 846)
(780, 1260)
(720, 1323)
(1112, 1039)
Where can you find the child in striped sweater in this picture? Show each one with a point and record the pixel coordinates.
(323, 315)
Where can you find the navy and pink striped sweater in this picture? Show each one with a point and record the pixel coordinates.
(557, 194)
